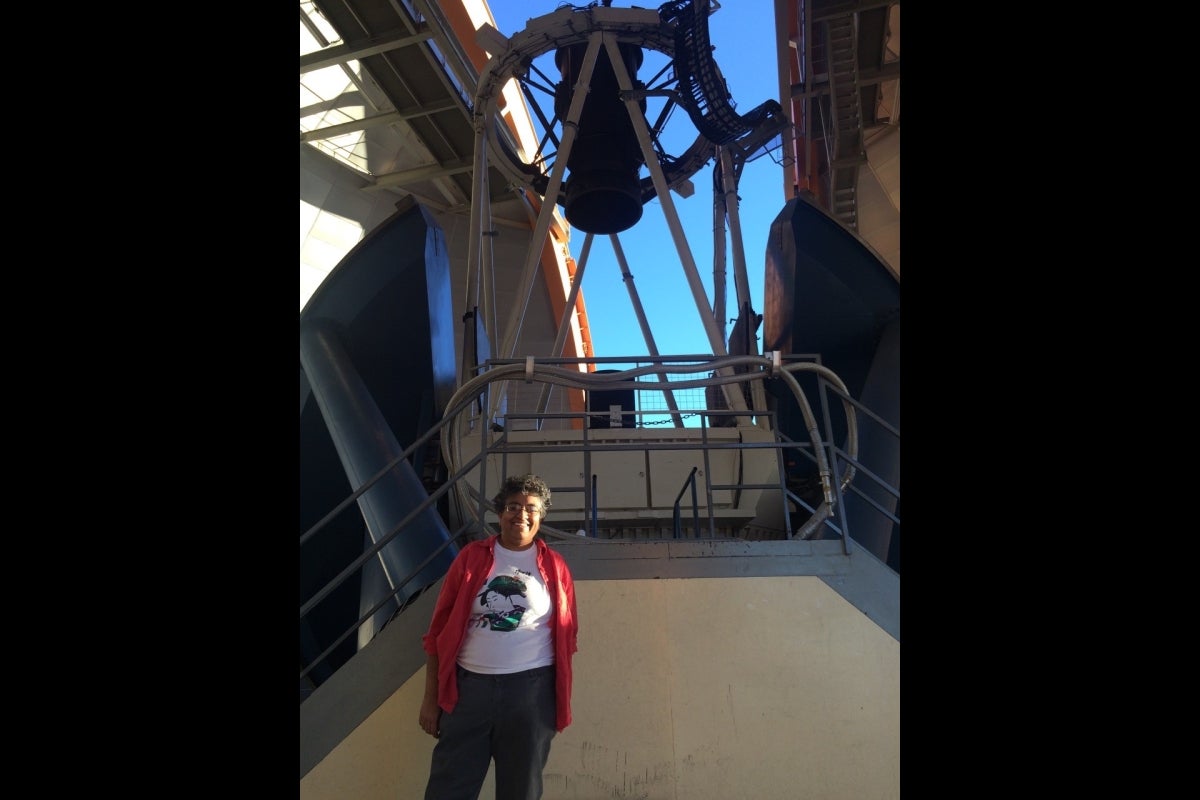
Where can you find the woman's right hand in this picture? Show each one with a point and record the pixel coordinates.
(430, 717)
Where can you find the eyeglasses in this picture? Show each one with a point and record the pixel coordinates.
(513, 508)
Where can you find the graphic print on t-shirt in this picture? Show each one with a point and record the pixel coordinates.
(505, 601)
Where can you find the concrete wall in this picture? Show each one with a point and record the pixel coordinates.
(699, 688)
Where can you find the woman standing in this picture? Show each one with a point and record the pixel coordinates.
(498, 655)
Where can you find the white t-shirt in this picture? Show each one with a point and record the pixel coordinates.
(509, 631)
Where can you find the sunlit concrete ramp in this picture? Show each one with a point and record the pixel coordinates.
(706, 670)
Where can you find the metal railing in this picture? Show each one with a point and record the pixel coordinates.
(868, 484)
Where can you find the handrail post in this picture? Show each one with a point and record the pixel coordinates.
(696, 505)
(595, 532)
(691, 479)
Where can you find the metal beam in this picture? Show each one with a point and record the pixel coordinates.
(387, 118)
(836, 9)
(866, 77)
(425, 173)
(373, 45)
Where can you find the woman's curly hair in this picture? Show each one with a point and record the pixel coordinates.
(522, 484)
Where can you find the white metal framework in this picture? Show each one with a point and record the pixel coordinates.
(544, 173)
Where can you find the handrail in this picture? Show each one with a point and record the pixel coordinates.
(838, 454)
(829, 456)
(385, 540)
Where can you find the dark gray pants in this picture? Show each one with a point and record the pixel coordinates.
(509, 718)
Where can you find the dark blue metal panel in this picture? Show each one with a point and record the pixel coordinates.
(378, 365)
(826, 292)
(879, 450)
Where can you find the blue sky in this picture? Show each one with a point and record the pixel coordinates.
(742, 32)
